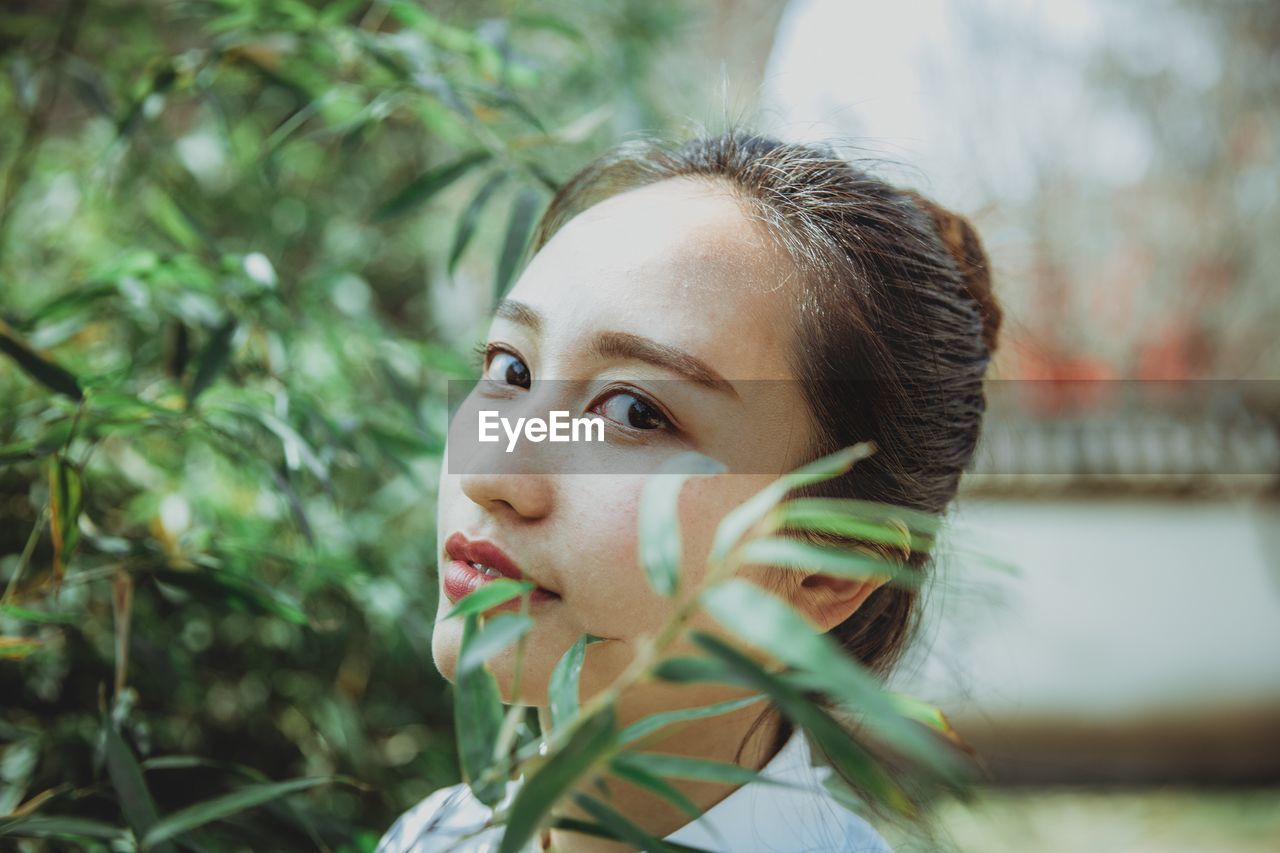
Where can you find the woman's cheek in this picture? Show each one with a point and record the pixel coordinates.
(607, 586)
(704, 502)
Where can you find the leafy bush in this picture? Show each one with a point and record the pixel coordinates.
(224, 232)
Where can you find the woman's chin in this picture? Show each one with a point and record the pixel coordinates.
(533, 681)
(446, 641)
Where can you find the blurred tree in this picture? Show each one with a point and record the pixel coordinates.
(1164, 272)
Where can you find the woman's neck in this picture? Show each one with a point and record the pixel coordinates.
(717, 738)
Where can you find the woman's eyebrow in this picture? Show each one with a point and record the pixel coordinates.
(627, 345)
(518, 312)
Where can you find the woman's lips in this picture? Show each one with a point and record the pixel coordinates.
(463, 577)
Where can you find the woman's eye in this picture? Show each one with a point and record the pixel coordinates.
(507, 367)
(633, 411)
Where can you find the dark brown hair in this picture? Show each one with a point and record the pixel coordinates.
(895, 322)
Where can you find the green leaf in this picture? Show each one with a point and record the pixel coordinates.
(193, 817)
(471, 217)
(66, 494)
(158, 82)
(478, 702)
(828, 467)
(659, 524)
(39, 367)
(619, 826)
(189, 762)
(489, 595)
(683, 767)
(562, 689)
(445, 360)
(177, 762)
(770, 624)
(498, 633)
(870, 511)
(736, 524)
(924, 713)
(973, 557)
(236, 590)
(646, 726)
(550, 23)
(544, 177)
(844, 752)
(297, 450)
(16, 612)
(692, 670)
(641, 776)
(450, 38)
(213, 359)
(589, 742)
(501, 99)
(126, 777)
(832, 515)
(837, 562)
(173, 218)
(519, 225)
(21, 451)
(443, 89)
(72, 302)
(120, 406)
(59, 827)
(421, 189)
(339, 10)
(17, 648)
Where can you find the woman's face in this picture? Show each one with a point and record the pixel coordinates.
(693, 305)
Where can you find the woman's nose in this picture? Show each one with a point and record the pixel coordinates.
(525, 496)
(502, 477)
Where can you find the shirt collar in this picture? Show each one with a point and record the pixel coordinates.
(799, 814)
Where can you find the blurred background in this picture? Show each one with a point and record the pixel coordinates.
(244, 244)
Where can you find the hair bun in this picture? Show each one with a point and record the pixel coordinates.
(962, 242)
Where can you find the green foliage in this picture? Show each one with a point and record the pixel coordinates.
(490, 595)
(478, 701)
(586, 743)
(562, 692)
(656, 722)
(498, 633)
(219, 808)
(228, 234)
(659, 519)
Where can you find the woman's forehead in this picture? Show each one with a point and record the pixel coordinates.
(690, 228)
(678, 260)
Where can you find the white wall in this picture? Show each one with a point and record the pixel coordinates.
(1121, 607)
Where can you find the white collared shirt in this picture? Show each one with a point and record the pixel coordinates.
(755, 817)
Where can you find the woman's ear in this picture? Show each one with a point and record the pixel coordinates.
(827, 601)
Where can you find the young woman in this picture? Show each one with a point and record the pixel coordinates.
(762, 303)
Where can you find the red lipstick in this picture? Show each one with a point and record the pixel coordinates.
(473, 563)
